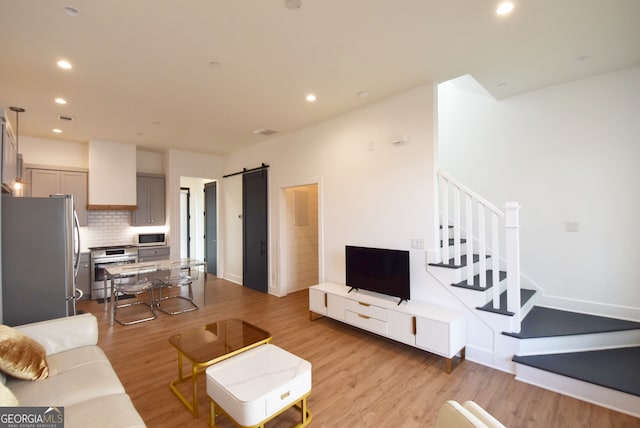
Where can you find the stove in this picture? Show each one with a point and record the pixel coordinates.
(101, 257)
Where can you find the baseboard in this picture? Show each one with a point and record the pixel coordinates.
(592, 308)
(233, 278)
(490, 359)
(605, 397)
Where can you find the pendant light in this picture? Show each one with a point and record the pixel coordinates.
(19, 165)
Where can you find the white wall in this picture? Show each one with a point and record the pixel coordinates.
(196, 207)
(566, 153)
(177, 164)
(43, 151)
(230, 210)
(149, 162)
(371, 192)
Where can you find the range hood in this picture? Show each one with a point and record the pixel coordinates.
(112, 176)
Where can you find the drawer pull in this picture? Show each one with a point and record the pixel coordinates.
(364, 304)
(363, 316)
(285, 395)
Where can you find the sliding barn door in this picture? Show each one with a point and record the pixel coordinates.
(255, 264)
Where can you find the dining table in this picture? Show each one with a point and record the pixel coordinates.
(115, 271)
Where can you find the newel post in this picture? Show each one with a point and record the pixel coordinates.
(512, 244)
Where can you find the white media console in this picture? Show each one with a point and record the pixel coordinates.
(433, 328)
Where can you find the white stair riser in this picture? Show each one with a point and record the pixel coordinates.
(475, 298)
(612, 399)
(578, 343)
(452, 275)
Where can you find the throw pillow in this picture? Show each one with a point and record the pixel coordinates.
(21, 356)
(7, 399)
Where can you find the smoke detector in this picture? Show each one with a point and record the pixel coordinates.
(292, 4)
(264, 131)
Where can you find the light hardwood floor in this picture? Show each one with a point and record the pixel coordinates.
(359, 379)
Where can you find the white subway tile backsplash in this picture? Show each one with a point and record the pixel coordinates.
(107, 228)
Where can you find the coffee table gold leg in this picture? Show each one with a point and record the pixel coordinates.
(180, 365)
(194, 381)
(212, 414)
(303, 411)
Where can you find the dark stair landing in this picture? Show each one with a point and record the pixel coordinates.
(451, 263)
(525, 295)
(476, 281)
(617, 369)
(547, 322)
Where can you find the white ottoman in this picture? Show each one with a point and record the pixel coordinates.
(257, 385)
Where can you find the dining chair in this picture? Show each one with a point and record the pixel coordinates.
(179, 275)
(133, 282)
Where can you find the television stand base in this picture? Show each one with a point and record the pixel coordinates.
(436, 329)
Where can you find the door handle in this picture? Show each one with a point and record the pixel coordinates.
(263, 247)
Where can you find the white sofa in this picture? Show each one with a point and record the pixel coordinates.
(467, 415)
(80, 379)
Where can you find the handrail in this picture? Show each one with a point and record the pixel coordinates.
(471, 193)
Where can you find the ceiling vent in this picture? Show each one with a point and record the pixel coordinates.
(66, 118)
(264, 131)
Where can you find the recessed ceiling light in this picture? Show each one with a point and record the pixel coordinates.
(63, 63)
(57, 131)
(505, 8)
(60, 101)
(363, 94)
(311, 98)
(214, 64)
(71, 11)
(502, 85)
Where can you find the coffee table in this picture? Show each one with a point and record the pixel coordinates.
(210, 344)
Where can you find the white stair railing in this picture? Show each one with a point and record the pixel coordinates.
(474, 217)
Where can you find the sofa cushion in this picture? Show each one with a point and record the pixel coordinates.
(63, 334)
(7, 399)
(21, 356)
(93, 413)
(68, 360)
(69, 387)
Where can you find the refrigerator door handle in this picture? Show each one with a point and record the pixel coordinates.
(77, 230)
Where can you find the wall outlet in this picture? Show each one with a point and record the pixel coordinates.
(572, 226)
(417, 244)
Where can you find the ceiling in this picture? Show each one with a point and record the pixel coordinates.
(141, 68)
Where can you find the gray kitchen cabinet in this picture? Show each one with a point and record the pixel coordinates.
(150, 201)
(45, 182)
(152, 254)
(83, 280)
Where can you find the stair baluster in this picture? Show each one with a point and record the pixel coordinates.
(451, 192)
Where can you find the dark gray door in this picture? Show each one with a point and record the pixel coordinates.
(210, 229)
(254, 214)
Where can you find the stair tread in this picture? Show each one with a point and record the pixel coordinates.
(548, 322)
(525, 295)
(617, 369)
(451, 264)
(476, 281)
(452, 242)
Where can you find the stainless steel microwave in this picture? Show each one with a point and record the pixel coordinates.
(151, 239)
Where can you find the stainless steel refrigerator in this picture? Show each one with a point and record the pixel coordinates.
(40, 258)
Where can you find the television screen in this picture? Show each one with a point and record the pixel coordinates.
(380, 270)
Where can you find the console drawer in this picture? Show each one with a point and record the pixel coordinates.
(363, 321)
(367, 309)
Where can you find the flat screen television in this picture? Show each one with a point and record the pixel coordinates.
(380, 270)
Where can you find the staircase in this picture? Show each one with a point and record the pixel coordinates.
(593, 358)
